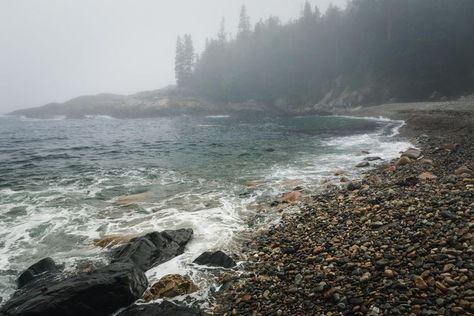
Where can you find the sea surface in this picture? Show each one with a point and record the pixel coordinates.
(64, 183)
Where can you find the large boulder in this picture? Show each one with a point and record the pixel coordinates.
(215, 259)
(154, 248)
(169, 286)
(100, 292)
(39, 269)
(162, 309)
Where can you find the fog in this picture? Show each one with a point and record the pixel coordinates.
(53, 50)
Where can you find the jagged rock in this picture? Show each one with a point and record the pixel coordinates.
(162, 309)
(364, 164)
(412, 153)
(100, 292)
(403, 161)
(291, 197)
(215, 259)
(170, 286)
(39, 269)
(154, 248)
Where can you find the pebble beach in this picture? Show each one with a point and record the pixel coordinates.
(396, 241)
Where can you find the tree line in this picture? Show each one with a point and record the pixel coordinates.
(404, 49)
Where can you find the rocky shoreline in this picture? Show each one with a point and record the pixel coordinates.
(399, 241)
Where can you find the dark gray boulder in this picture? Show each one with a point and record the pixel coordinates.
(215, 259)
(37, 270)
(100, 292)
(162, 309)
(152, 249)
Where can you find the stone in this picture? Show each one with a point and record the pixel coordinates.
(40, 269)
(403, 161)
(215, 259)
(427, 176)
(412, 153)
(365, 277)
(462, 170)
(388, 273)
(420, 283)
(291, 197)
(452, 147)
(164, 308)
(170, 286)
(363, 164)
(154, 248)
(100, 292)
(427, 162)
(351, 186)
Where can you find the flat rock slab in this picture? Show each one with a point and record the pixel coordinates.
(163, 309)
(152, 249)
(100, 292)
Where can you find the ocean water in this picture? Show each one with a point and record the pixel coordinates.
(64, 183)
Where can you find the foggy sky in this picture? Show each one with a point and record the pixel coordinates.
(54, 50)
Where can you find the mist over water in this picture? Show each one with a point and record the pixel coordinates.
(64, 183)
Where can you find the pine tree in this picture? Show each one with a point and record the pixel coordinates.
(188, 59)
(179, 62)
(222, 35)
(244, 23)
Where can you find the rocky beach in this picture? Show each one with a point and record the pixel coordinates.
(397, 241)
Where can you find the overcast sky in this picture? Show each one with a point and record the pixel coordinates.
(54, 50)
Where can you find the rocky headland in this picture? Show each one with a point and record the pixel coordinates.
(398, 241)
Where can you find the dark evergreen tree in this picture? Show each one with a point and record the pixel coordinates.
(244, 23)
(179, 67)
(405, 49)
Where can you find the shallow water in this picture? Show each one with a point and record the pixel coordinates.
(64, 183)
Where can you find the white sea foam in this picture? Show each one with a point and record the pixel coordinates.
(218, 116)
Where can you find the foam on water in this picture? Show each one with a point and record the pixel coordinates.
(61, 218)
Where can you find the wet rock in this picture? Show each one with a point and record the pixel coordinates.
(412, 153)
(100, 292)
(40, 269)
(408, 182)
(215, 259)
(364, 164)
(164, 308)
(153, 249)
(170, 286)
